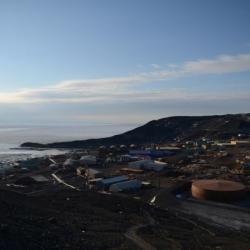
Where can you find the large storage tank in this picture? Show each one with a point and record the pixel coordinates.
(218, 190)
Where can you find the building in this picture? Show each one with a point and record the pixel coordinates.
(127, 158)
(138, 164)
(92, 173)
(89, 160)
(106, 183)
(151, 153)
(71, 163)
(131, 171)
(92, 183)
(156, 166)
(125, 185)
(169, 148)
(240, 142)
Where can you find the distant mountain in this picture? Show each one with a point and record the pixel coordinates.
(168, 129)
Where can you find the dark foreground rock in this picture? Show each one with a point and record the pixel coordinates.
(87, 220)
(65, 220)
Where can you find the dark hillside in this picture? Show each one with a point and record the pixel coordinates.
(167, 129)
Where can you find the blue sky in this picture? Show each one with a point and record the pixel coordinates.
(122, 62)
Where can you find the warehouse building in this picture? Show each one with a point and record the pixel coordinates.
(106, 183)
(125, 185)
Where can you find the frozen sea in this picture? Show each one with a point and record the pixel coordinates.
(12, 136)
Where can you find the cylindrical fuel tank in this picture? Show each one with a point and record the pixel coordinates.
(218, 190)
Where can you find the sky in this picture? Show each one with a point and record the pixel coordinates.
(124, 63)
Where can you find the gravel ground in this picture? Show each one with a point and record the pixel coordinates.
(86, 220)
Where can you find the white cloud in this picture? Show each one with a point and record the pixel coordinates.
(122, 88)
(221, 65)
(155, 66)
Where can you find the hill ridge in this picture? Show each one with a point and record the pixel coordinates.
(167, 129)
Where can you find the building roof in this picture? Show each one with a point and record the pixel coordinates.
(93, 171)
(114, 179)
(39, 178)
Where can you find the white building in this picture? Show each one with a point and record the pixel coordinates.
(70, 163)
(156, 166)
(88, 160)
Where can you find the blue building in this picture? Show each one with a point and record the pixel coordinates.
(151, 153)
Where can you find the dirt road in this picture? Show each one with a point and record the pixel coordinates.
(131, 234)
